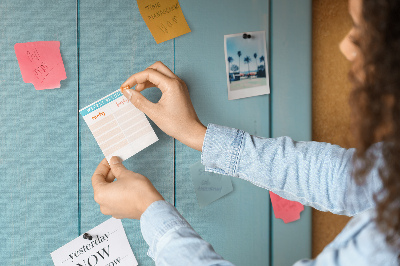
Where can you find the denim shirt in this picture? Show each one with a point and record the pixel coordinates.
(312, 173)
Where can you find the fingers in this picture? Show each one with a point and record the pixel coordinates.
(117, 167)
(142, 86)
(160, 67)
(104, 210)
(159, 80)
(100, 174)
(140, 102)
(110, 177)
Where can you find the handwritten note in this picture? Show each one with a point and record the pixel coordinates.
(164, 18)
(288, 211)
(108, 246)
(209, 186)
(118, 126)
(41, 64)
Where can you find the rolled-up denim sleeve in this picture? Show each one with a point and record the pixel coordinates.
(313, 173)
(172, 241)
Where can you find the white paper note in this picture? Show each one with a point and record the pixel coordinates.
(246, 64)
(109, 246)
(209, 186)
(118, 126)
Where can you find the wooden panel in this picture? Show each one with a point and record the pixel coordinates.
(114, 44)
(291, 110)
(48, 163)
(237, 225)
(331, 89)
(38, 137)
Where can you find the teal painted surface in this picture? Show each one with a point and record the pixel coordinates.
(46, 202)
(114, 44)
(291, 110)
(38, 145)
(238, 224)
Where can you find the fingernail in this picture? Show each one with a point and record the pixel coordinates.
(128, 94)
(115, 160)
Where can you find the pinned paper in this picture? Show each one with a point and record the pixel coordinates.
(118, 126)
(288, 211)
(108, 246)
(246, 64)
(164, 18)
(209, 186)
(41, 64)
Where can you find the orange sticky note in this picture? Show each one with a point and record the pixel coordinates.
(41, 63)
(164, 18)
(284, 209)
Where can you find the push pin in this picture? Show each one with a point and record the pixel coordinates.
(124, 88)
(246, 36)
(87, 236)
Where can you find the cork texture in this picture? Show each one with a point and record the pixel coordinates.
(330, 99)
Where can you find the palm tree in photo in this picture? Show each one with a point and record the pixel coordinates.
(239, 55)
(230, 60)
(247, 60)
(234, 68)
(255, 60)
(262, 59)
(262, 70)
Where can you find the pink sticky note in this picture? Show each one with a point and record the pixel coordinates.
(41, 63)
(284, 209)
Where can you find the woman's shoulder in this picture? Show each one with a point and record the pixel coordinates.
(361, 240)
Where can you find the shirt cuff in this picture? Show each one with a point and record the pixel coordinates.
(222, 148)
(158, 219)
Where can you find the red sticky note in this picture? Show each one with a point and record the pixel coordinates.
(284, 209)
(41, 63)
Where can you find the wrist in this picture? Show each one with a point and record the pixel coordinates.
(196, 136)
(148, 203)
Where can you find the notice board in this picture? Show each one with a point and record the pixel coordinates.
(48, 155)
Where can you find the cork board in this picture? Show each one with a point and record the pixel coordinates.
(50, 153)
(331, 89)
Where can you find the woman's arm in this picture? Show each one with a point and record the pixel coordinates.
(312, 173)
(315, 174)
(172, 241)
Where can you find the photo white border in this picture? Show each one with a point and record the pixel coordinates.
(248, 92)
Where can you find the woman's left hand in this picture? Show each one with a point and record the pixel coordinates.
(128, 197)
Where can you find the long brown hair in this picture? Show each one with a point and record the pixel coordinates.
(375, 103)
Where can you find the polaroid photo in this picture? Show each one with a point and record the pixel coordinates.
(246, 64)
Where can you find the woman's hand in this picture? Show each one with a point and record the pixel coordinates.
(173, 113)
(127, 197)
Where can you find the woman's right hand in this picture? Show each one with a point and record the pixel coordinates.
(173, 113)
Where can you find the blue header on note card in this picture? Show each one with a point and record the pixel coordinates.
(100, 103)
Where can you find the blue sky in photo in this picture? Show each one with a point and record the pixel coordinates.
(256, 44)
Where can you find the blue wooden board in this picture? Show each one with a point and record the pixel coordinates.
(291, 110)
(47, 158)
(38, 144)
(114, 44)
(237, 225)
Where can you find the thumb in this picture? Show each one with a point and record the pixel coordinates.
(138, 100)
(99, 176)
(117, 167)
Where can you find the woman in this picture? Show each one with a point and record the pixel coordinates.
(362, 182)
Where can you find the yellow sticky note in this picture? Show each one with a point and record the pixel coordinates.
(164, 18)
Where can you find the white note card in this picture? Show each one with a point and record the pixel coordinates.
(118, 126)
(109, 246)
(209, 186)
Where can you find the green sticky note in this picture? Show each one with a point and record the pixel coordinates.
(209, 186)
